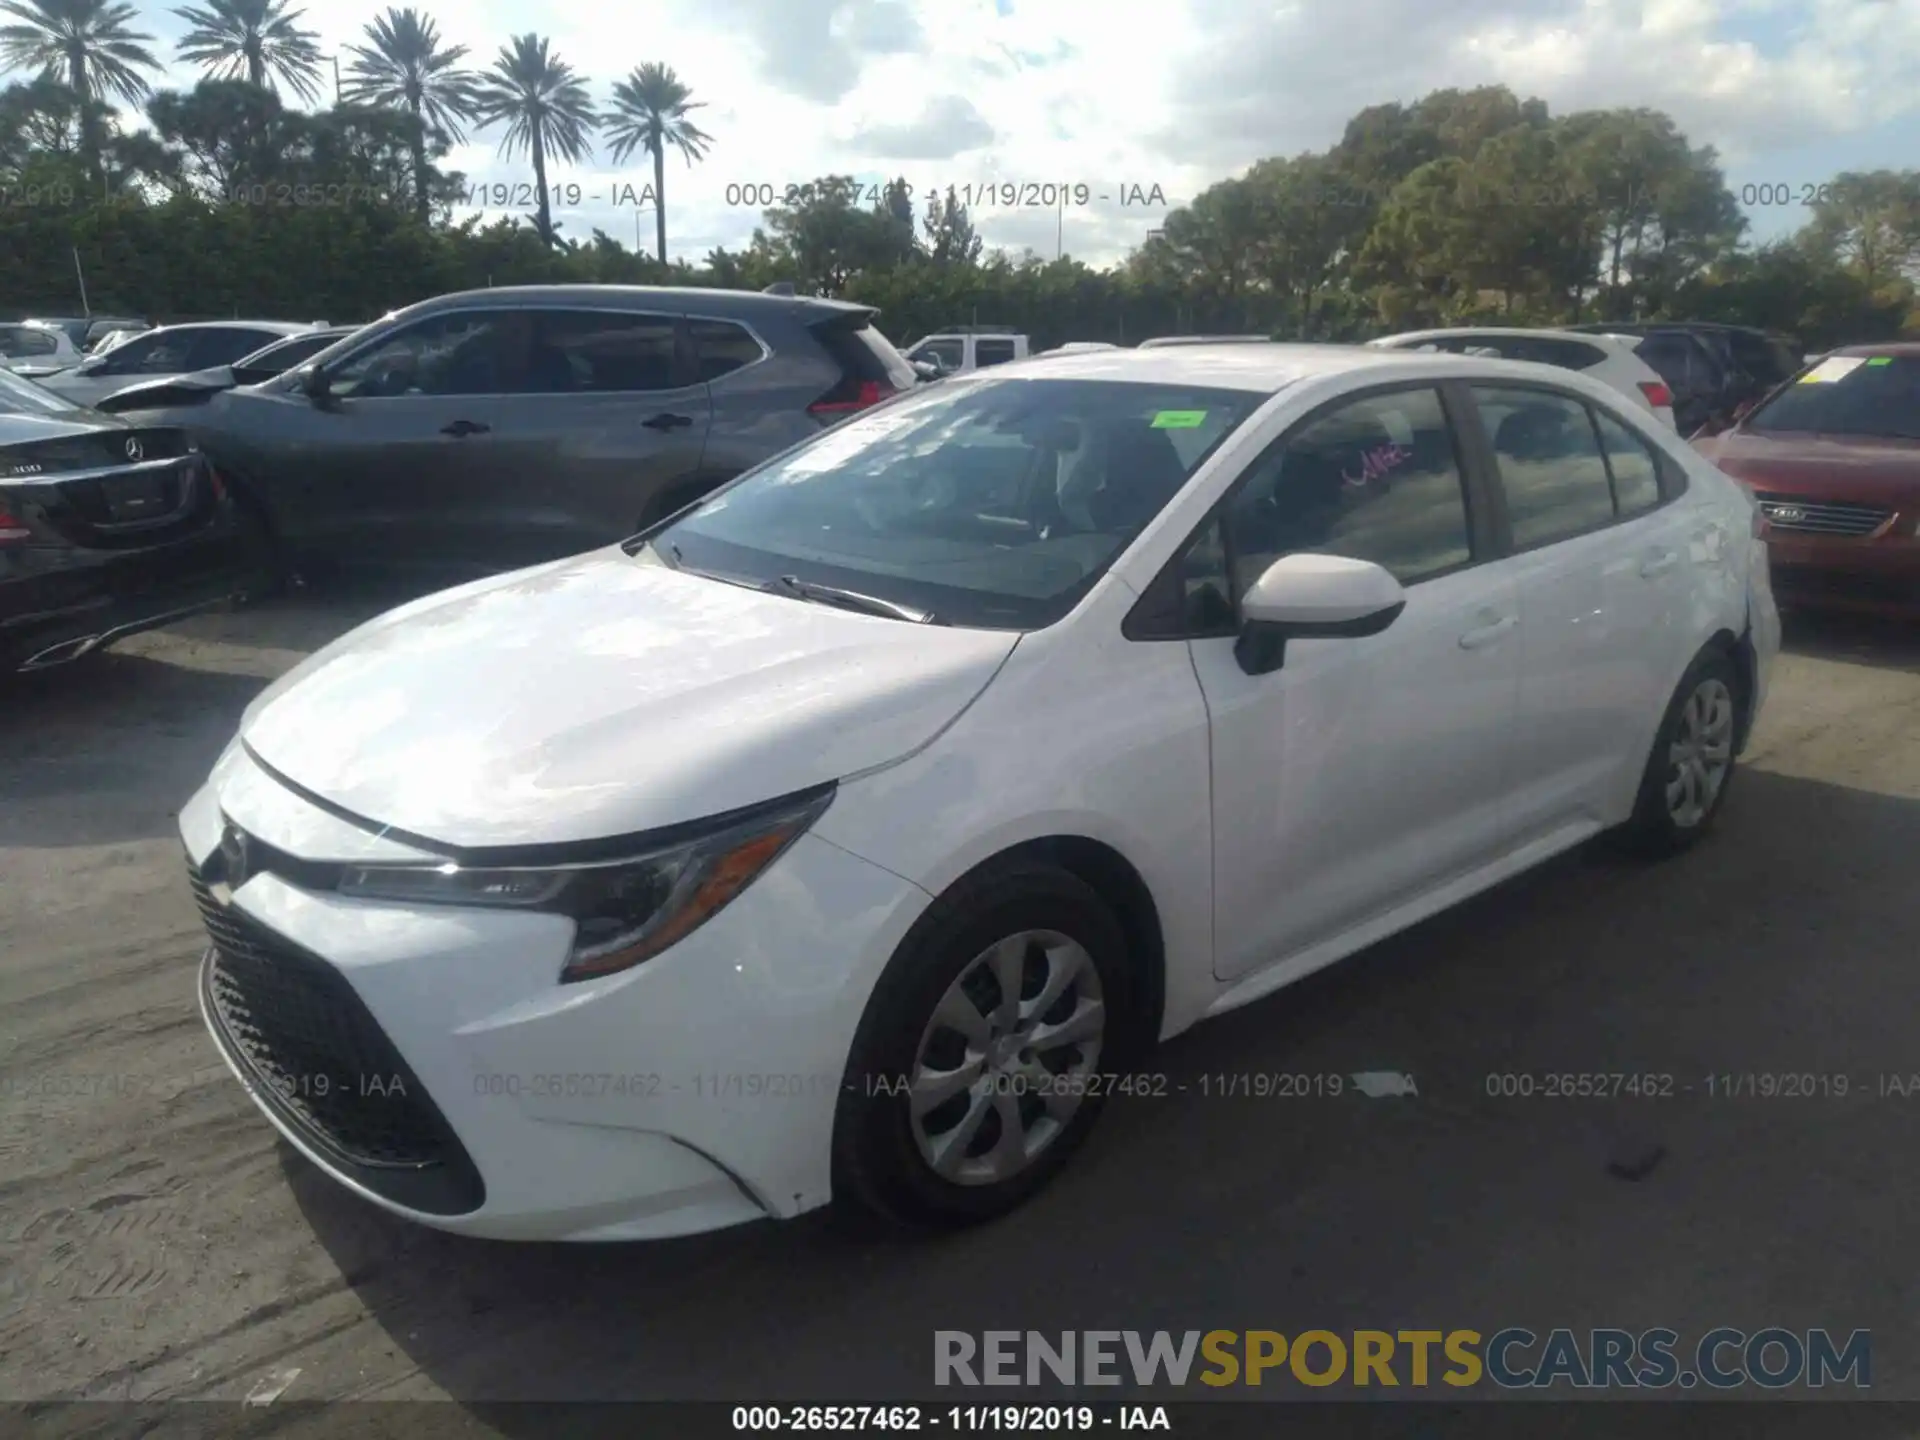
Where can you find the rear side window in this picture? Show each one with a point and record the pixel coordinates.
(223, 347)
(599, 352)
(991, 352)
(720, 348)
(22, 340)
(1636, 472)
(1552, 470)
(1677, 360)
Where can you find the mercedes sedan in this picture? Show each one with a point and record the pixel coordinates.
(852, 834)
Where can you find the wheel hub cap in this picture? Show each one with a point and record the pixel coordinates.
(1004, 1060)
(1701, 753)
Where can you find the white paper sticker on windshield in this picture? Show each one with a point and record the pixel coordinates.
(845, 443)
(1837, 367)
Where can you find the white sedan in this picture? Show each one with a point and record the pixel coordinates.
(851, 835)
(1611, 359)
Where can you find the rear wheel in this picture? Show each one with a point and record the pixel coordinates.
(1692, 763)
(983, 1059)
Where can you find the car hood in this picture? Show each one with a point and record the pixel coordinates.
(16, 429)
(602, 696)
(1819, 466)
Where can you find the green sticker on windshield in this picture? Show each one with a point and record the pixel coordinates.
(1179, 419)
(1880, 360)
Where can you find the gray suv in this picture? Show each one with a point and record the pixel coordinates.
(498, 428)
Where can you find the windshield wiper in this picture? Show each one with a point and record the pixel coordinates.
(850, 600)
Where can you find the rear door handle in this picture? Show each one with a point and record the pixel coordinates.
(668, 422)
(460, 428)
(1484, 636)
(1658, 563)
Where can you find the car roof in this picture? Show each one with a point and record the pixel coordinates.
(669, 298)
(279, 327)
(1514, 332)
(1228, 366)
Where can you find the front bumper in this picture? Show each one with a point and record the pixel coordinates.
(63, 604)
(693, 1092)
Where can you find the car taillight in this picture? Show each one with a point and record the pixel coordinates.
(12, 530)
(1658, 395)
(869, 393)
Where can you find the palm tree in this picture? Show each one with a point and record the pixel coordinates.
(404, 67)
(86, 45)
(650, 108)
(546, 109)
(252, 40)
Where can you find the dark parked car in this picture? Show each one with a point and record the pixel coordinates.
(1834, 462)
(105, 529)
(498, 428)
(1712, 369)
(161, 401)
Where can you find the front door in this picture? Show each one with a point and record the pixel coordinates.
(1364, 772)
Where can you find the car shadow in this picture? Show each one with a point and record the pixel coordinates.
(1214, 1200)
(1881, 641)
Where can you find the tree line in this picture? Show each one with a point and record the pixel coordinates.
(1465, 206)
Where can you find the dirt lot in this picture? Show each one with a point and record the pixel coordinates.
(157, 1242)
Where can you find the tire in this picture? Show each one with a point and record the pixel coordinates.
(1703, 717)
(885, 1145)
(269, 572)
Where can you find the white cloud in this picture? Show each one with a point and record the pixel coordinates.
(1174, 93)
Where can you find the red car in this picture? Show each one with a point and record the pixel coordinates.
(1833, 457)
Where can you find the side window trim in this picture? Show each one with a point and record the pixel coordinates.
(1167, 587)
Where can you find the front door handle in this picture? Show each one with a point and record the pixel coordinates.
(668, 422)
(461, 428)
(1658, 563)
(1484, 636)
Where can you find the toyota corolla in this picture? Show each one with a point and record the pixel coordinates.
(852, 834)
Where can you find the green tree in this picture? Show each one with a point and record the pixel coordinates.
(949, 236)
(259, 41)
(403, 66)
(652, 110)
(823, 239)
(544, 106)
(1869, 222)
(90, 46)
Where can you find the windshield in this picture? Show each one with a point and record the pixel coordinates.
(23, 397)
(994, 504)
(1877, 396)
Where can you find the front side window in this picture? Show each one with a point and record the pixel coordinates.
(471, 352)
(951, 354)
(1551, 467)
(130, 356)
(1376, 479)
(991, 503)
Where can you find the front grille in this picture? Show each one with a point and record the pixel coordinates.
(315, 1054)
(1821, 517)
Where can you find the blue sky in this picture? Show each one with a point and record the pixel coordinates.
(1134, 94)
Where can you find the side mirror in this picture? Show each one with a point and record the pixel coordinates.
(315, 386)
(1313, 597)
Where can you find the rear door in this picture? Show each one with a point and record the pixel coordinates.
(1602, 592)
(1690, 373)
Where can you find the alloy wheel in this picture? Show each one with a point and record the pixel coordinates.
(1701, 753)
(1007, 1058)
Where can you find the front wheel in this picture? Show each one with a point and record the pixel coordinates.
(1692, 763)
(986, 1051)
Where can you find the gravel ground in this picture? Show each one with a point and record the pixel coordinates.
(158, 1242)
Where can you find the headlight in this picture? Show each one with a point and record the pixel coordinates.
(625, 910)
